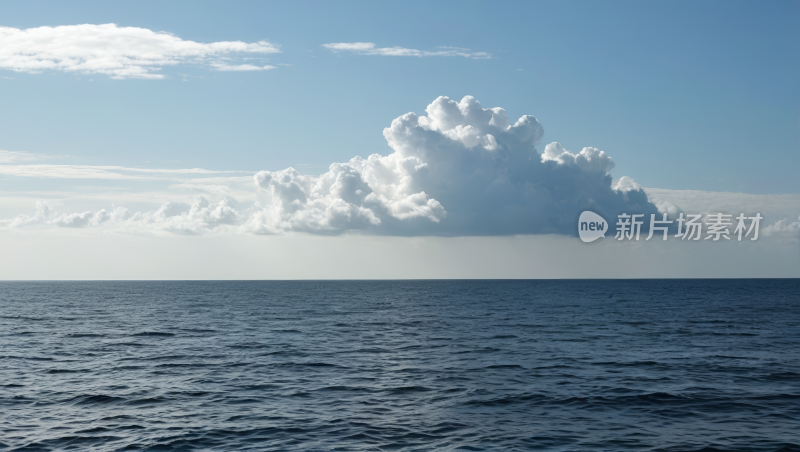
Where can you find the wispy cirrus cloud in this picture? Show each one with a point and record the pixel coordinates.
(48, 171)
(120, 52)
(369, 48)
(16, 157)
(241, 67)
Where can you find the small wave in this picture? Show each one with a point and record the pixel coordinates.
(78, 335)
(132, 344)
(97, 399)
(407, 389)
(283, 353)
(507, 400)
(94, 430)
(65, 371)
(344, 388)
(236, 364)
(20, 317)
(246, 400)
(189, 393)
(719, 333)
(70, 443)
(555, 366)
(372, 350)
(627, 363)
(245, 346)
(783, 376)
(260, 387)
(707, 449)
(776, 397)
(31, 358)
(153, 333)
(481, 350)
(295, 364)
(148, 401)
(127, 367)
(411, 347)
(187, 365)
(155, 358)
(117, 417)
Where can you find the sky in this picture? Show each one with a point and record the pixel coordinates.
(296, 140)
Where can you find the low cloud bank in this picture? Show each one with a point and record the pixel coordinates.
(459, 170)
(196, 218)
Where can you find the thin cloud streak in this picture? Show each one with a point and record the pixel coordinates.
(14, 157)
(45, 171)
(369, 48)
(241, 67)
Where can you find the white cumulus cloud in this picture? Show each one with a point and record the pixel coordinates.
(369, 48)
(784, 228)
(42, 215)
(120, 52)
(589, 159)
(459, 170)
(79, 220)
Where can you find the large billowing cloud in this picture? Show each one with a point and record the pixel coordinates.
(120, 52)
(459, 170)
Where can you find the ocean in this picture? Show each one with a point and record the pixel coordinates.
(574, 365)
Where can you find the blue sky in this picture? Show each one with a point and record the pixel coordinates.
(698, 102)
(681, 95)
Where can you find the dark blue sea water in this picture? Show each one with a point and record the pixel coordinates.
(665, 365)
